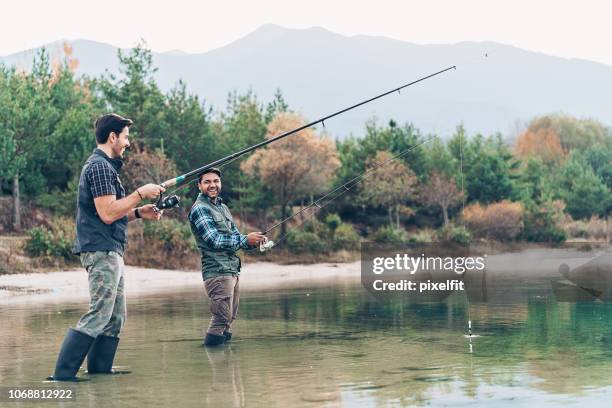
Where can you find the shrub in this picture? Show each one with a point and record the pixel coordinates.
(595, 229)
(500, 221)
(176, 236)
(60, 202)
(315, 226)
(300, 241)
(459, 235)
(424, 236)
(345, 237)
(542, 223)
(389, 235)
(333, 221)
(56, 241)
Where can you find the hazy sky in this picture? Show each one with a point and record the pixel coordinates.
(580, 29)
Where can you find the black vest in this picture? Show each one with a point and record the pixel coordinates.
(92, 233)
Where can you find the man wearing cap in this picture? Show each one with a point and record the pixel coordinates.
(103, 212)
(218, 240)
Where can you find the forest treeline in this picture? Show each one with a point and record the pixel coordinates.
(553, 182)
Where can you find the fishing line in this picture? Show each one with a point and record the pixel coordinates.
(467, 298)
(342, 189)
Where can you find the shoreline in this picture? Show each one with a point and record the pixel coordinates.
(72, 285)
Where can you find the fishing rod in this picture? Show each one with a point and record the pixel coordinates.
(177, 181)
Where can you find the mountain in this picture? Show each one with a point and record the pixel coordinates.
(495, 87)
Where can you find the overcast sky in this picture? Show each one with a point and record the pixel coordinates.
(574, 29)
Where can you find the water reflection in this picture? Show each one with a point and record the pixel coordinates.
(337, 346)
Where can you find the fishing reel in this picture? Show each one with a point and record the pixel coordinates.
(172, 201)
(266, 245)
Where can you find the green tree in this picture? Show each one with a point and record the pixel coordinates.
(599, 157)
(390, 184)
(533, 182)
(354, 152)
(440, 160)
(584, 193)
(10, 162)
(242, 125)
(190, 141)
(397, 139)
(487, 165)
(72, 134)
(27, 117)
(135, 94)
(276, 106)
(254, 198)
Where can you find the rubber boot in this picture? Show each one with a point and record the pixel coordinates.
(228, 336)
(71, 355)
(213, 340)
(101, 356)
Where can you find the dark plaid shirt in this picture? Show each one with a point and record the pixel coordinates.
(206, 227)
(101, 178)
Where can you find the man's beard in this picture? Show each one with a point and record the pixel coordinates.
(118, 150)
(216, 193)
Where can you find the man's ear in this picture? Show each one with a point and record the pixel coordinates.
(110, 137)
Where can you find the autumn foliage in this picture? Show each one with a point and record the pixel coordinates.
(442, 192)
(500, 221)
(146, 167)
(390, 183)
(304, 163)
(543, 143)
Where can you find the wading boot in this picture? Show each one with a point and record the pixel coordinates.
(71, 355)
(213, 340)
(101, 356)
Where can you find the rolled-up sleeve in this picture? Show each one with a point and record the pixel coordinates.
(201, 218)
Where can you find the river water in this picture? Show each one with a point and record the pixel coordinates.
(334, 346)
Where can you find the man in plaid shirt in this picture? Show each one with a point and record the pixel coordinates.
(103, 212)
(206, 227)
(218, 240)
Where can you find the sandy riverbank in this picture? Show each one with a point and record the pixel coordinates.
(72, 285)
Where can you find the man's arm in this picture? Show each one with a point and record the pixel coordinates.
(250, 244)
(146, 212)
(206, 228)
(110, 209)
(101, 180)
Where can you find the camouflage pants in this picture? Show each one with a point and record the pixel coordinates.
(224, 294)
(107, 311)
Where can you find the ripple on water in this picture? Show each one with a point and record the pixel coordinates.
(322, 397)
(432, 378)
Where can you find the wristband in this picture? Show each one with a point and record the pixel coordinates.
(139, 195)
(137, 213)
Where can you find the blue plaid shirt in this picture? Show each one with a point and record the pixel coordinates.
(206, 228)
